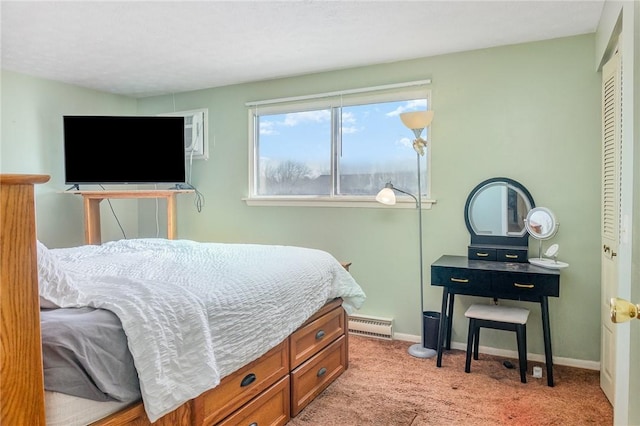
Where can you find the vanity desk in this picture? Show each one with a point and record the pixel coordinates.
(496, 265)
(499, 280)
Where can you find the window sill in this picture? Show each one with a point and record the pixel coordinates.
(351, 202)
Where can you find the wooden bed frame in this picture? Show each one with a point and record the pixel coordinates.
(270, 390)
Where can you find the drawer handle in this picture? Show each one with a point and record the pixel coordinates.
(511, 256)
(249, 378)
(523, 285)
(460, 280)
(321, 372)
(254, 424)
(320, 334)
(482, 254)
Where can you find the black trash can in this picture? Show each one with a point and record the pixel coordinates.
(430, 329)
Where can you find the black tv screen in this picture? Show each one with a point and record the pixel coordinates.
(123, 150)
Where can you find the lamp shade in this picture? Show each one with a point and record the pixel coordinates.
(386, 196)
(416, 119)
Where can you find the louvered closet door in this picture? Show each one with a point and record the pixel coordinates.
(611, 173)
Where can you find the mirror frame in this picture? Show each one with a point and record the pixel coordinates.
(502, 240)
(554, 224)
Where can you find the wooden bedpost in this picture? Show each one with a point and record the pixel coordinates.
(21, 376)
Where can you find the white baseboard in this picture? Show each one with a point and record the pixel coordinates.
(569, 362)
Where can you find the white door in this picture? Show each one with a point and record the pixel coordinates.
(611, 186)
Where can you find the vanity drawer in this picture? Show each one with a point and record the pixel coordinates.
(526, 286)
(482, 253)
(467, 281)
(512, 255)
(498, 253)
(313, 376)
(239, 387)
(270, 408)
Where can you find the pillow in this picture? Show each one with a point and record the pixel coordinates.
(47, 272)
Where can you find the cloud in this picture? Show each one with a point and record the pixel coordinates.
(413, 105)
(349, 130)
(318, 116)
(268, 128)
(348, 117)
(405, 142)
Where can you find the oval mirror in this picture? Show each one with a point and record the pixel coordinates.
(495, 212)
(541, 223)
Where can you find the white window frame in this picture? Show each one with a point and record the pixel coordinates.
(390, 93)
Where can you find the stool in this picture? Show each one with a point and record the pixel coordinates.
(500, 318)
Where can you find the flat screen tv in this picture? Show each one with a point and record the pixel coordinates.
(123, 150)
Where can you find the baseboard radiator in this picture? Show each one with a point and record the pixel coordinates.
(363, 325)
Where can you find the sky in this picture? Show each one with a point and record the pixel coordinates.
(373, 137)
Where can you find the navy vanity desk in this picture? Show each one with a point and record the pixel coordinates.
(500, 280)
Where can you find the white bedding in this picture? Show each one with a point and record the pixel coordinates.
(195, 312)
(67, 410)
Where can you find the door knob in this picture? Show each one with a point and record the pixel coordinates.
(607, 249)
(622, 310)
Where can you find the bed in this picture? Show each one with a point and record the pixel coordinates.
(276, 348)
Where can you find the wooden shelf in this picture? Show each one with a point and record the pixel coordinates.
(92, 200)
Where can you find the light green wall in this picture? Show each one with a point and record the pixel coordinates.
(32, 142)
(529, 112)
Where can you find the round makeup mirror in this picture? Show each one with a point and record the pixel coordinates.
(541, 223)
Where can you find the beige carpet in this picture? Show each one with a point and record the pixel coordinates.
(384, 385)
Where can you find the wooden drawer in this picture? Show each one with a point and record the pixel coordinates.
(135, 415)
(238, 388)
(315, 335)
(271, 408)
(525, 286)
(312, 377)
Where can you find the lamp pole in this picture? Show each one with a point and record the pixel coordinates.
(418, 350)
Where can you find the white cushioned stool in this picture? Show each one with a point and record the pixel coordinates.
(501, 318)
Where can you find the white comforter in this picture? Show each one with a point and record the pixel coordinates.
(195, 312)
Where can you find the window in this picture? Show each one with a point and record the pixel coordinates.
(341, 148)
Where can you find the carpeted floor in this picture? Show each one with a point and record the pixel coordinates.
(386, 386)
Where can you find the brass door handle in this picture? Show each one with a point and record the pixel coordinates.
(622, 310)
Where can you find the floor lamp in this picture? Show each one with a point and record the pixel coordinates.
(416, 121)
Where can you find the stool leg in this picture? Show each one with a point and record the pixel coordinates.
(521, 335)
(476, 340)
(470, 335)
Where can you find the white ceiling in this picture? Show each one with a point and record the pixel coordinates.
(143, 48)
